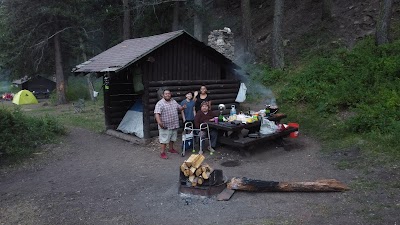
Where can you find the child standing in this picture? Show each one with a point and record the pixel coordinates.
(189, 113)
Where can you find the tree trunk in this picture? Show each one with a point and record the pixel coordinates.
(175, 21)
(60, 80)
(88, 76)
(198, 22)
(383, 24)
(245, 184)
(277, 42)
(126, 27)
(326, 10)
(246, 25)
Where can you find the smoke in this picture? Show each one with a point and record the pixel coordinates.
(255, 90)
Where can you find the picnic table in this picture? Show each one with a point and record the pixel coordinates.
(229, 133)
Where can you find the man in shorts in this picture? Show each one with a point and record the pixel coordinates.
(166, 113)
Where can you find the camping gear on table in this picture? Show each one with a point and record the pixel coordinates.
(267, 126)
(221, 108)
(24, 97)
(296, 133)
(233, 110)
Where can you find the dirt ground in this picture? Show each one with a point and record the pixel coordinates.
(92, 178)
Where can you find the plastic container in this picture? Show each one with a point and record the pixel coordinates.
(296, 133)
(233, 110)
(216, 119)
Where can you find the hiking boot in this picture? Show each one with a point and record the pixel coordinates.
(173, 151)
(163, 155)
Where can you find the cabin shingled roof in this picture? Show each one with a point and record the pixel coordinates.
(127, 52)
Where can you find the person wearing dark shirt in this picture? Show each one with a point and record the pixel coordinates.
(203, 116)
(201, 97)
(189, 112)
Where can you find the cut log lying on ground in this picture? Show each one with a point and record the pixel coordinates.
(245, 184)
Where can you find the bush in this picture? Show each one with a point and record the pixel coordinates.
(364, 80)
(345, 95)
(20, 134)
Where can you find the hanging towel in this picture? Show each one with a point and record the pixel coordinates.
(241, 96)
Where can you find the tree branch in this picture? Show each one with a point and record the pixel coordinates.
(52, 36)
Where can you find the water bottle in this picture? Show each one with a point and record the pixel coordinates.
(233, 110)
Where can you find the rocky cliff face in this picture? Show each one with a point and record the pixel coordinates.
(303, 28)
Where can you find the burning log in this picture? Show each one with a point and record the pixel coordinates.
(245, 184)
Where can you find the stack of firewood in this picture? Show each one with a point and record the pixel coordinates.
(195, 170)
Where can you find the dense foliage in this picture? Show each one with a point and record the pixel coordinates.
(346, 92)
(21, 134)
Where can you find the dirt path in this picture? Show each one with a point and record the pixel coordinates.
(97, 179)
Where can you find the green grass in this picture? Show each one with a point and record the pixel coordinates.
(26, 127)
(346, 98)
(92, 117)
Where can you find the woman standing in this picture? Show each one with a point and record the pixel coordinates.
(202, 97)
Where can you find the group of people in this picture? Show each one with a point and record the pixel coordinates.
(195, 109)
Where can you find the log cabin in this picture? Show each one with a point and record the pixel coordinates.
(135, 70)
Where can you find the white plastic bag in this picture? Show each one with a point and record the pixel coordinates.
(241, 96)
(267, 126)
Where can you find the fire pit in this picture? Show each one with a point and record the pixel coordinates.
(214, 185)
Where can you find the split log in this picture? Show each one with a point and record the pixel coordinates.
(200, 180)
(199, 159)
(206, 175)
(245, 184)
(207, 168)
(184, 167)
(192, 170)
(191, 159)
(186, 173)
(194, 182)
(191, 178)
(199, 171)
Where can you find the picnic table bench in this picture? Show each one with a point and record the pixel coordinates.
(244, 143)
